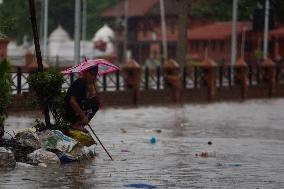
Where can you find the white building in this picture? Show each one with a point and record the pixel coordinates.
(61, 47)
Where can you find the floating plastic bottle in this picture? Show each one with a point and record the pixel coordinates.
(153, 140)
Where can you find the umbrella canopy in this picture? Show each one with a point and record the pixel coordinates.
(103, 65)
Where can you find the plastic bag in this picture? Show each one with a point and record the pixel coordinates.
(55, 139)
(43, 156)
(84, 138)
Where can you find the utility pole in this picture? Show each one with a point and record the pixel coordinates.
(182, 44)
(266, 29)
(243, 45)
(35, 34)
(41, 26)
(163, 30)
(84, 24)
(45, 31)
(234, 33)
(77, 32)
(38, 54)
(125, 31)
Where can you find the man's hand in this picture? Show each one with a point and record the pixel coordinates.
(85, 120)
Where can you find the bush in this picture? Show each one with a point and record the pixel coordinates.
(5, 91)
(47, 87)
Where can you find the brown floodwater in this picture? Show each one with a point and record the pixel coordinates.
(246, 152)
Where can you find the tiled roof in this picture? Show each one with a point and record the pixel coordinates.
(216, 31)
(135, 8)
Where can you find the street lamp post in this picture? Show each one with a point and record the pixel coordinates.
(266, 28)
(45, 31)
(125, 30)
(163, 29)
(234, 33)
(77, 32)
(84, 24)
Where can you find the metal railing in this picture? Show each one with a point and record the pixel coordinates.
(152, 79)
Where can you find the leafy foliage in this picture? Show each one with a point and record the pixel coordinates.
(5, 88)
(222, 10)
(47, 87)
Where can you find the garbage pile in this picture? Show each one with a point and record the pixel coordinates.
(46, 147)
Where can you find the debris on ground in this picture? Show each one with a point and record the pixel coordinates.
(206, 154)
(84, 138)
(153, 131)
(147, 186)
(123, 130)
(56, 140)
(42, 148)
(229, 165)
(125, 151)
(7, 159)
(28, 138)
(43, 156)
(153, 140)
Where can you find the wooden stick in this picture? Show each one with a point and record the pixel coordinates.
(100, 141)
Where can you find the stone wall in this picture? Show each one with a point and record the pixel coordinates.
(165, 96)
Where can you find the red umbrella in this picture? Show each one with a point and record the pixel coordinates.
(103, 65)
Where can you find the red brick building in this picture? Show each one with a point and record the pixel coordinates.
(277, 43)
(204, 36)
(215, 41)
(144, 27)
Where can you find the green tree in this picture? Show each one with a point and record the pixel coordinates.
(16, 13)
(47, 86)
(61, 12)
(222, 10)
(5, 91)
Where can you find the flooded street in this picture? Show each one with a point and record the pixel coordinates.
(246, 152)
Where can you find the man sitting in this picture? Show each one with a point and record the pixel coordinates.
(81, 101)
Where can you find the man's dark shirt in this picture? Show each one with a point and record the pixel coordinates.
(79, 90)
